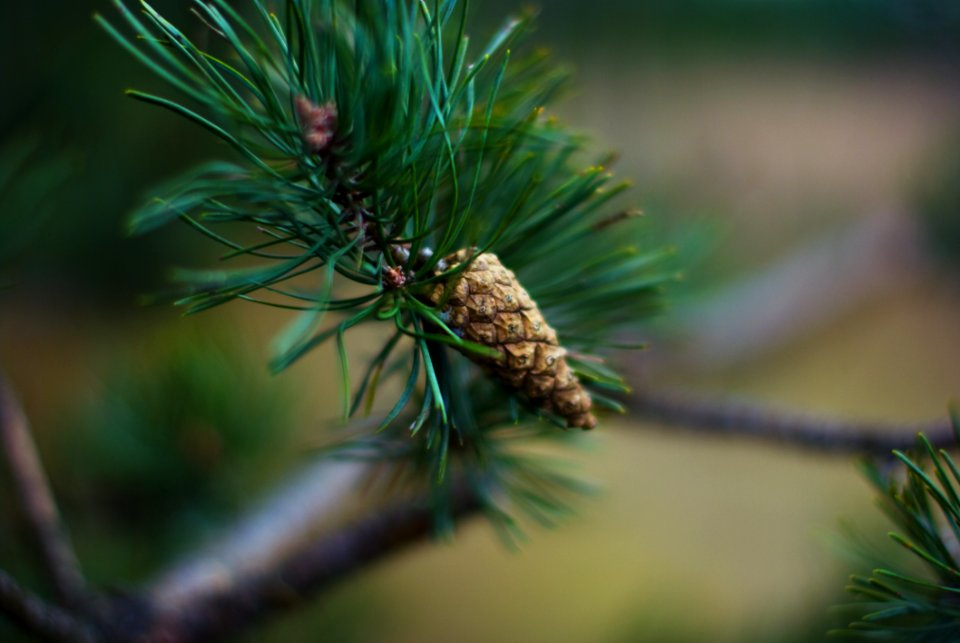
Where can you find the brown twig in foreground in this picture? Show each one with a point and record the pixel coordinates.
(210, 610)
(214, 612)
(273, 560)
(287, 520)
(725, 418)
(35, 499)
(269, 562)
(47, 622)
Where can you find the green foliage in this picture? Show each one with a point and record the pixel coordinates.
(438, 145)
(918, 603)
(176, 439)
(512, 466)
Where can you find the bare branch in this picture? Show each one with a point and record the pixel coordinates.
(726, 418)
(288, 520)
(213, 612)
(36, 617)
(271, 561)
(36, 501)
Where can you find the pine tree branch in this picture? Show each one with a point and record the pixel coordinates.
(36, 501)
(728, 418)
(38, 618)
(279, 577)
(270, 562)
(287, 521)
(211, 611)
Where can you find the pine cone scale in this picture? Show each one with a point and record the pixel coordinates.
(486, 304)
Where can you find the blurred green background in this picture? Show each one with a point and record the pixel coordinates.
(763, 136)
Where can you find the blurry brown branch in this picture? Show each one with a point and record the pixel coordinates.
(274, 558)
(269, 561)
(44, 621)
(804, 290)
(35, 500)
(296, 544)
(820, 281)
(307, 504)
(732, 419)
(214, 612)
(221, 591)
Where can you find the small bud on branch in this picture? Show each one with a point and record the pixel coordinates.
(318, 124)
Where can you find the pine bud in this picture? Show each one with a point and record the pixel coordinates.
(318, 124)
(486, 304)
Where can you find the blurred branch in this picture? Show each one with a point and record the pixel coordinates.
(275, 560)
(286, 522)
(35, 616)
(818, 282)
(211, 611)
(270, 561)
(36, 501)
(726, 418)
(286, 551)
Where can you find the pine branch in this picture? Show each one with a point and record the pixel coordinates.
(900, 601)
(287, 521)
(731, 419)
(215, 611)
(36, 501)
(271, 562)
(36, 617)
(374, 143)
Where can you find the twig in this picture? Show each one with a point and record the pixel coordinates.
(36, 501)
(735, 419)
(285, 522)
(213, 612)
(39, 618)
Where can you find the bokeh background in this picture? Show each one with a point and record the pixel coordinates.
(802, 155)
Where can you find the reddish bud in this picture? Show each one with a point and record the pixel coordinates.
(318, 124)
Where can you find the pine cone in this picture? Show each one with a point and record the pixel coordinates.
(486, 304)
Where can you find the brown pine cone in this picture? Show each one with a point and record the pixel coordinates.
(486, 304)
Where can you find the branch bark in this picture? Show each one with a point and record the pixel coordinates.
(285, 522)
(36, 501)
(270, 562)
(274, 560)
(213, 613)
(733, 419)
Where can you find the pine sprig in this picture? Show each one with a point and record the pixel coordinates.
(921, 603)
(509, 465)
(369, 142)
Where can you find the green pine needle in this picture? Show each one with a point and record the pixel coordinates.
(357, 129)
(920, 602)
